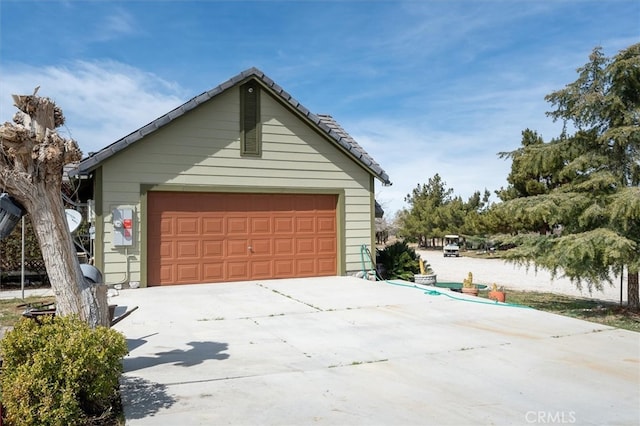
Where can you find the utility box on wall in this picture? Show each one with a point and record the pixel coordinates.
(122, 220)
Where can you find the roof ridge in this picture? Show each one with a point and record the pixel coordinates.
(323, 121)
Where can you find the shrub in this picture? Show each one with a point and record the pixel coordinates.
(398, 261)
(59, 371)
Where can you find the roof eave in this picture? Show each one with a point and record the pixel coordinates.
(94, 160)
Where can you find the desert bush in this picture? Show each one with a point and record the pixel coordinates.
(398, 261)
(59, 371)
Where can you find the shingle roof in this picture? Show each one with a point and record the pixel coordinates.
(348, 143)
(325, 123)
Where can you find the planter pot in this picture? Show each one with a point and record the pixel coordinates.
(499, 296)
(426, 279)
(473, 291)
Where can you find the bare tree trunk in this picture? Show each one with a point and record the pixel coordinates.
(633, 291)
(74, 295)
(32, 159)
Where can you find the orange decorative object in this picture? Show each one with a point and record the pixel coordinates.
(499, 296)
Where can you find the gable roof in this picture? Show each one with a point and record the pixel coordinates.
(325, 124)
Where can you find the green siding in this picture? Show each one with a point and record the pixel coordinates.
(201, 151)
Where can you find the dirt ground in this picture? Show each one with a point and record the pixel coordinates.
(488, 271)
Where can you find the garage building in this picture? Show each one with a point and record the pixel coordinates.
(240, 183)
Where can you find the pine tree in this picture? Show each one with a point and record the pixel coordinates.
(584, 183)
(434, 212)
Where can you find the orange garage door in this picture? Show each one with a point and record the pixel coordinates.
(216, 237)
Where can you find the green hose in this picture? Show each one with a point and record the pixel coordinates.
(430, 292)
(365, 250)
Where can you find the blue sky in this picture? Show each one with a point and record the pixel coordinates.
(424, 86)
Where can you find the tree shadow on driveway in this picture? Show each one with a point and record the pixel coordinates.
(141, 398)
(197, 354)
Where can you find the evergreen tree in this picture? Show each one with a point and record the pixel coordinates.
(584, 183)
(434, 212)
(421, 220)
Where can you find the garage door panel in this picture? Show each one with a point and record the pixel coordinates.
(261, 225)
(188, 273)
(261, 269)
(166, 274)
(305, 225)
(166, 226)
(305, 267)
(326, 246)
(237, 271)
(261, 247)
(187, 226)
(166, 249)
(284, 268)
(283, 246)
(237, 248)
(213, 226)
(212, 249)
(237, 226)
(188, 249)
(213, 272)
(326, 224)
(205, 237)
(327, 266)
(283, 225)
(305, 246)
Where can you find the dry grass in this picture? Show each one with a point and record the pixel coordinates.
(606, 313)
(11, 309)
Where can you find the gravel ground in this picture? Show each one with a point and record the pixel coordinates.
(488, 271)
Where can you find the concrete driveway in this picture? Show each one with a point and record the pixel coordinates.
(343, 351)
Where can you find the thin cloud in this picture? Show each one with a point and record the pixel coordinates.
(102, 100)
(459, 140)
(114, 25)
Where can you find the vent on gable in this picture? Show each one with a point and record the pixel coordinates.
(250, 134)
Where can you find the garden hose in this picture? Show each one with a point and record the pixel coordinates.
(364, 250)
(432, 292)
